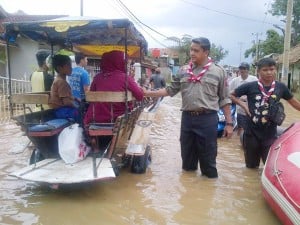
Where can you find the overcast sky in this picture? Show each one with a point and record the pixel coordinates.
(233, 24)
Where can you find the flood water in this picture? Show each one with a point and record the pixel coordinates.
(164, 195)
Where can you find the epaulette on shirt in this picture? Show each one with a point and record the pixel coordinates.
(219, 66)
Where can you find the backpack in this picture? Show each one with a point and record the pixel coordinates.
(276, 113)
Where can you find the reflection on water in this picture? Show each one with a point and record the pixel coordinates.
(164, 195)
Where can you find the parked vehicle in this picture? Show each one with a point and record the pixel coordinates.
(128, 135)
(222, 121)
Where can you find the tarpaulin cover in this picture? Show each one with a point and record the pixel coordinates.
(91, 36)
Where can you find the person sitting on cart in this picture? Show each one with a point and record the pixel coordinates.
(111, 78)
(61, 98)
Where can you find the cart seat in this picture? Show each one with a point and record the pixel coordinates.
(105, 129)
(48, 128)
(101, 129)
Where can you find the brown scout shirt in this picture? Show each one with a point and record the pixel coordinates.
(61, 94)
(211, 93)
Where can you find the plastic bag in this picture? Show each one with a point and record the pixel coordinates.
(71, 145)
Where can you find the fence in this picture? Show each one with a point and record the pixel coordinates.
(17, 86)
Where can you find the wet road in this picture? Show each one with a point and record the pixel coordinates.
(164, 195)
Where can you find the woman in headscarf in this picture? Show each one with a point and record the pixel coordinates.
(112, 77)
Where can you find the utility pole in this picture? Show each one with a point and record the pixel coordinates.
(241, 45)
(256, 46)
(81, 7)
(287, 42)
(256, 49)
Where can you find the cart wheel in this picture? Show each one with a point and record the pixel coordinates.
(126, 161)
(140, 163)
(115, 168)
(35, 157)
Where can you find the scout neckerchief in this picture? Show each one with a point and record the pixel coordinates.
(262, 90)
(193, 77)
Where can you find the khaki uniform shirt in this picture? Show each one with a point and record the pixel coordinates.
(211, 93)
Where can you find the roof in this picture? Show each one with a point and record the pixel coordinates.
(294, 55)
(92, 36)
(20, 16)
(3, 13)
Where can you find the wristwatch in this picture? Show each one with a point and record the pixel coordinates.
(229, 124)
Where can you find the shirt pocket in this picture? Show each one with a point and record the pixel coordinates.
(210, 87)
(184, 82)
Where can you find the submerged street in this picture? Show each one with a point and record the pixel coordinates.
(164, 195)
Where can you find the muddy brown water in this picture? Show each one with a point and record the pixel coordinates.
(163, 195)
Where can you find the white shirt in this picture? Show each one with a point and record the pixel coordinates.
(238, 81)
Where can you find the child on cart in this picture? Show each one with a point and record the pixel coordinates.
(61, 98)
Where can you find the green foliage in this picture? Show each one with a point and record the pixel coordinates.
(217, 52)
(279, 7)
(183, 44)
(251, 52)
(274, 41)
(272, 44)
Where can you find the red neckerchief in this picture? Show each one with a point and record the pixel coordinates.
(193, 77)
(262, 90)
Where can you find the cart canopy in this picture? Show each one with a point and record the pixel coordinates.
(92, 36)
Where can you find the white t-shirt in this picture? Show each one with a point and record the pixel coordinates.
(238, 81)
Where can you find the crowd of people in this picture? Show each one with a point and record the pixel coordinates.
(204, 88)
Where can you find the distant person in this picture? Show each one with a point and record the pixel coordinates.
(79, 80)
(132, 69)
(204, 90)
(41, 80)
(112, 77)
(61, 98)
(244, 77)
(157, 81)
(262, 120)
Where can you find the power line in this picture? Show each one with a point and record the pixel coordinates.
(138, 22)
(225, 13)
(141, 21)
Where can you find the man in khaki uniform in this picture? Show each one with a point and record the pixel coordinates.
(203, 86)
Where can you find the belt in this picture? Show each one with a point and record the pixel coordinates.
(200, 111)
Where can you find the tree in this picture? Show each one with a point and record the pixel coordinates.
(183, 44)
(217, 53)
(278, 8)
(272, 44)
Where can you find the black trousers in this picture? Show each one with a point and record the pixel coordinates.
(198, 139)
(256, 149)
